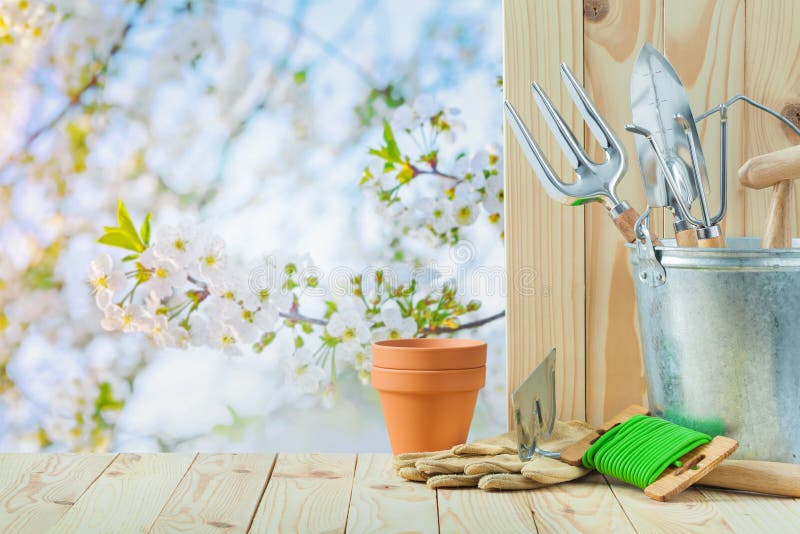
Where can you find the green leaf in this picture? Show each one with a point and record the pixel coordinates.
(105, 399)
(330, 308)
(118, 238)
(236, 429)
(393, 150)
(145, 230)
(130, 257)
(124, 219)
(300, 77)
(298, 342)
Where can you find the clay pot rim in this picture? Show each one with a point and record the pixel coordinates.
(429, 343)
(429, 353)
(426, 371)
(428, 382)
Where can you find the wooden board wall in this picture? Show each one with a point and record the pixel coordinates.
(583, 303)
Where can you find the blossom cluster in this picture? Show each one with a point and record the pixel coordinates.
(181, 290)
(454, 197)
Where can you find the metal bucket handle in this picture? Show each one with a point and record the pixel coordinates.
(652, 271)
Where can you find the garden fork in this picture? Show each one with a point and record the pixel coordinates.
(593, 181)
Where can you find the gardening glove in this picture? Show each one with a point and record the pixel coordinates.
(420, 466)
(493, 463)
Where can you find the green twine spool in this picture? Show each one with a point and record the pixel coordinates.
(640, 449)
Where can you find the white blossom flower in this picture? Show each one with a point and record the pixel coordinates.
(165, 273)
(465, 208)
(224, 337)
(426, 106)
(495, 195)
(130, 318)
(162, 334)
(405, 118)
(350, 326)
(303, 372)
(104, 280)
(437, 215)
(211, 261)
(395, 325)
(177, 244)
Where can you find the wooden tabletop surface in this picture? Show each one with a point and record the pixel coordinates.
(333, 493)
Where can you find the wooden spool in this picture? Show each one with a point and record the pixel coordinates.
(694, 465)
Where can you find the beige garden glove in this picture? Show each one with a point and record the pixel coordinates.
(493, 463)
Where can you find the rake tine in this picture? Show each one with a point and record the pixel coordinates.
(566, 139)
(604, 135)
(544, 171)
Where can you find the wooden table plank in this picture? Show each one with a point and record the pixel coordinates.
(37, 489)
(219, 491)
(475, 510)
(688, 512)
(307, 493)
(755, 513)
(384, 502)
(128, 495)
(585, 505)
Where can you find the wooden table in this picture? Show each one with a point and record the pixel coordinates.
(333, 492)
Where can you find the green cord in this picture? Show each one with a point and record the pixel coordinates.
(640, 449)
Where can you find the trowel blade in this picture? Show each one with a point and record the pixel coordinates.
(657, 94)
(534, 405)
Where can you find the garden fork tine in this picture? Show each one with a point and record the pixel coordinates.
(594, 181)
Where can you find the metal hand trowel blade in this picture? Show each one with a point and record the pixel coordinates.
(534, 404)
(657, 95)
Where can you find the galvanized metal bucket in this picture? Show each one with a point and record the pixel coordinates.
(720, 334)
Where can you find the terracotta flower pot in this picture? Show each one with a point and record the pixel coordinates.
(428, 396)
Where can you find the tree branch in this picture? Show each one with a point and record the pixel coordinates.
(466, 326)
(296, 316)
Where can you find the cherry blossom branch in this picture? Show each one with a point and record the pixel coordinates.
(294, 315)
(77, 96)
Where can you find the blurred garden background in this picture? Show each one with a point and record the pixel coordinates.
(351, 146)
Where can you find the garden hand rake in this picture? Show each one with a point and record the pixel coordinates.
(594, 181)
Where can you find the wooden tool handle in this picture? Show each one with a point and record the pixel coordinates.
(778, 232)
(712, 242)
(686, 238)
(769, 169)
(626, 223)
(772, 478)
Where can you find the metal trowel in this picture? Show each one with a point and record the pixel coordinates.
(534, 404)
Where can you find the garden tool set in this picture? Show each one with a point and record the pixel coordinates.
(670, 155)
(719, 318)
(543, 451)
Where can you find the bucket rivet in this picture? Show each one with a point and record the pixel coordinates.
(643, 275)
(660, 277)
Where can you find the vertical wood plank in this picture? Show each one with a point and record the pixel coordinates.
(773, 78)
(585, 505)
(613, 33)
(544, 239)
(37, 489)
(306, 493)
(475, 510)
(219, 491)
(381, 501)
(128, 495)
(688, 512)
(705, 41)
